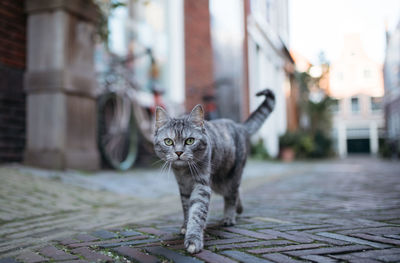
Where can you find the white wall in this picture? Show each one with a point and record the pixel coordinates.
(266, 70)
(176, 55)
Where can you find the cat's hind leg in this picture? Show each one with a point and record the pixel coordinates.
(232, 202)
(239, 206)
(230, 208)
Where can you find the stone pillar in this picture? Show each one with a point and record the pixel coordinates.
(342, 140)
(373, 137)
(60, 85)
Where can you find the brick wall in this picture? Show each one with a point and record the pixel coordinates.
(12, 65)
(198, 52)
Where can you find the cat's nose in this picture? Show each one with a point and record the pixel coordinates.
(179, 153)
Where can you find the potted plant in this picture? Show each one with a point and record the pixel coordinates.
(287, 144)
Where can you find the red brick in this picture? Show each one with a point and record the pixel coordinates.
(378, 239)
(152, 231)
(30, 257)
(297, 238)
(172, 255)
(104, 234)
(287, 248)
(67, 241)
(221, 234)
(97, 243)
(277, 257)
(319, 259)
(86, 237)
(250, 233)
(211, 257)
(244, 257)
(328, 250)
(228, 241)
(253, 244)
(321, 238)
(13, 33)
(91, 255)
(198, 52)
(56, 254)
(136, 254)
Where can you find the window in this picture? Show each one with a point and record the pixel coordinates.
(268, 10)
(376, 103)
(367, 73)
(335, 105)
(355, 105)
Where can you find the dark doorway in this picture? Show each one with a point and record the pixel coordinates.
(358, 146)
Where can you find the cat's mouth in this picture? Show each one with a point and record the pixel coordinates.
(179, 162)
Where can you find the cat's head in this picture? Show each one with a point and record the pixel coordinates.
(180, 140)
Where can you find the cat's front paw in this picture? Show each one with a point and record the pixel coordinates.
(229, 221)
(193, 244)
(183, 230)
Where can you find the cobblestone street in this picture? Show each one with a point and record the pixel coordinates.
(329, 211)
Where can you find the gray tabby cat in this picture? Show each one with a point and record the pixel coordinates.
(205, 156)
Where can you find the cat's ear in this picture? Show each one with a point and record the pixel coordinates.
(161, 117)
(197, 115)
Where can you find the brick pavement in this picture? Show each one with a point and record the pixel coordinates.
(335, 211)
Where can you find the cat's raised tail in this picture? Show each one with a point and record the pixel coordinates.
(257, 118)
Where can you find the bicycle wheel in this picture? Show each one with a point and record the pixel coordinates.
(117, 131)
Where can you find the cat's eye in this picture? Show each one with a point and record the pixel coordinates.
(168, 141)
(189, 141)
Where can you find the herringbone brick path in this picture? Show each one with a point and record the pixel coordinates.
(336, 211)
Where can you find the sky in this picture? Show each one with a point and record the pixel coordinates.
(320, 25)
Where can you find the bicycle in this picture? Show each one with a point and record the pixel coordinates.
(125, 111)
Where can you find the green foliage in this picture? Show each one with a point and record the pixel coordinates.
(307, 145)
(304, 146)
(320, 115)
(288, 140)
(384, 149)
(389, 149)
(313, 138)
(258, 150)
(322, 145)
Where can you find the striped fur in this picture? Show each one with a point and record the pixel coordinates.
(214, 161)
(258, 117)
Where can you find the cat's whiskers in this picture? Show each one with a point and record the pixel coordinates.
(169, 169)
(190, 168)
(195, 168)
(166, 168)
(157, 162)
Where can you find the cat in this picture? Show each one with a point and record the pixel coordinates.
(205, 156)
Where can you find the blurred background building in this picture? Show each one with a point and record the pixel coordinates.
(356, 84)
(392, 87)
(215, 56)
(12, 66)
(270, 65)
(207, 53)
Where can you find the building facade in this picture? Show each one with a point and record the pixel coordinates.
(270, 65)
(12, 66)
(356, 84)
(392, 88)
(219, 57)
